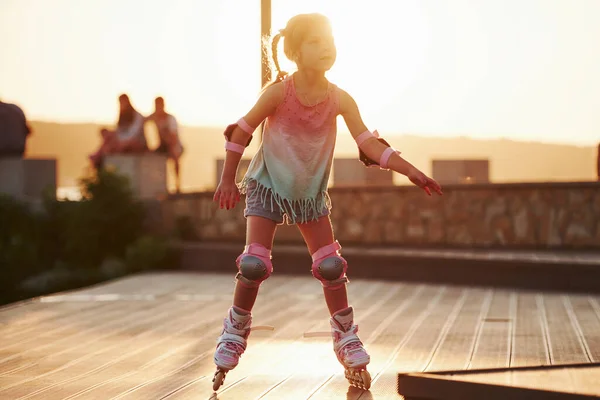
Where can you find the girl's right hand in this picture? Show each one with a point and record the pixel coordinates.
(227, 195)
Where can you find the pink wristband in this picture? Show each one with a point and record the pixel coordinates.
(360, 139)
(245, 127)
(237, 148)
(385, 157)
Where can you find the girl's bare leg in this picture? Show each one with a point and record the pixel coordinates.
(174, 155)
(177, 175)
(259, 231)
(318, 234)
(262, 231)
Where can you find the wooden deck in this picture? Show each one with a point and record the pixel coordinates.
(153, 336)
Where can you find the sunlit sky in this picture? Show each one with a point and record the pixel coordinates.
(521, 69)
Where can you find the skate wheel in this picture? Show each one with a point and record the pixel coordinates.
(366, 379)
(218, 379)
(359, 378)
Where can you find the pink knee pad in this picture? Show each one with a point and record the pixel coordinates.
(254, 265)
(329, 266)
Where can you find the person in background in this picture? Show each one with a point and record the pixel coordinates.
(168, 133)
(14, 130)
(129, 137)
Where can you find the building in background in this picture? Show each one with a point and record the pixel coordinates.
(448, 172)
(352, 172)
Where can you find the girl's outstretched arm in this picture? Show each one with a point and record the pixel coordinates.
(227, 193)
(374, 149)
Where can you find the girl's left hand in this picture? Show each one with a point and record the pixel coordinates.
(424, 182)
(227, 194)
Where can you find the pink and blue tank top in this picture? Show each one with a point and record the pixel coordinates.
(293, 162)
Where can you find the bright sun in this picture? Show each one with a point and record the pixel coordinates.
(367, 57)
(377, 45)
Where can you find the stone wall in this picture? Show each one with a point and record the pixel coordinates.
(27, 178)
(538, 215)
(147, 172)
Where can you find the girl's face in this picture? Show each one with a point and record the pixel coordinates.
(317, 50)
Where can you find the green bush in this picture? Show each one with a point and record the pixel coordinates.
(103, 224)
(74, 243)
(146, 253)
(20, 253)
(184, 229)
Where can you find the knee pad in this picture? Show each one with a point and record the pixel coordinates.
(254, 265)
(329, 266)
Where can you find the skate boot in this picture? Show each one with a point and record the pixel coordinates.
(231, 344)
(349, 349)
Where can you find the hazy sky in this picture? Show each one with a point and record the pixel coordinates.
(523, 69)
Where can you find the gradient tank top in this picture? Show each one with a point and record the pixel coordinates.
(294, 160)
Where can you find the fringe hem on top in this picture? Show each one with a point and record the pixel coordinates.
(297, 211)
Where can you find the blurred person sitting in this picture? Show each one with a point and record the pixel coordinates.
(168, 133)
(129, 137)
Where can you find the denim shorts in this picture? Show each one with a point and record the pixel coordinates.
(255, 207)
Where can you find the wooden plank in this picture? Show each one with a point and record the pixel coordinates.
(61, 333)
(302, 354)
(419, 350)
(493, 344)
(459, 387)
(153, 336)
(173, 364)
(27, 355)
(585, 380)
(375, 329)
(575, 379)
(34, 336)
(64, 365)
(158, 377)
(24, 318)
(267, 363)
(586, 319)
(530, 346)
(111, 354)
(176, 360)
(408, 341)
(371, 325)
(456, 348)
(565, 346)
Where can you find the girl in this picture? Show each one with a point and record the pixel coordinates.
(287, 180)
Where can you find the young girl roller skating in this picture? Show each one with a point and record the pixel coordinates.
(287, 180)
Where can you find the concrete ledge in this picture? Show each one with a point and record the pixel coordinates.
(563, 271)
(27, 178)
(147, 172)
